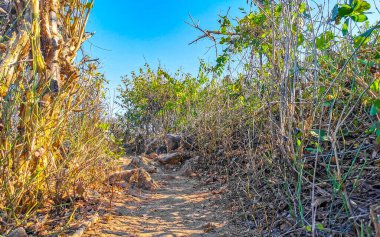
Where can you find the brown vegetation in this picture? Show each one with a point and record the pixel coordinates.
(286, 122)
(50, 100)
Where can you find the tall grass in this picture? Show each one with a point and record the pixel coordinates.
(54, 144)
(289, 113)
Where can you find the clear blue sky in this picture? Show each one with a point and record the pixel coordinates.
(132, 32)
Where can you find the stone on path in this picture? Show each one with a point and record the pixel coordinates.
(170, 158)
(188, 168)
(137, 177)
(19, 232)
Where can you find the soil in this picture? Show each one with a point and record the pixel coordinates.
(180, 206)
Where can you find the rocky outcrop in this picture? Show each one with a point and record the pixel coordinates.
(139, 178)
(142, 162)
(171, 158)
(179, 141)
(159, 145)
(172, 142)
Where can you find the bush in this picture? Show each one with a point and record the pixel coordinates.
(51, 151)
(295, 125)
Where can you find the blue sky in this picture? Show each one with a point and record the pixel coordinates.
(132, 32)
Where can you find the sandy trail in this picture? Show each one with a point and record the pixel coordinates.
(181, 206)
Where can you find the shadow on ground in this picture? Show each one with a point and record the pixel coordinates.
(181, 206)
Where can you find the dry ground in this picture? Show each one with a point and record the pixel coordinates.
(181, 206)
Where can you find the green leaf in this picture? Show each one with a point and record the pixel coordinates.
(365, 6)
(302, 8)
(359, 18)
(361, 6)
(308, 228)
(366, 62)
(373, 110)
(345, 27)
(368, 32)
(300, 39)
(104, 126)
(265, 48)
(335, 14)
(344, 10)
(278, 8)
(323, 41)
(223, 29)
(372, 129)
(360, 40)
(319, 226)
(320, 43)
(376, 103)
(320, 134)
(327, 103)
(375, 86)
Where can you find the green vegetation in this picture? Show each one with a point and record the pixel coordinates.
(288, 114)
(292, 102)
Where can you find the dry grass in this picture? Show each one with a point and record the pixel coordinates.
(54, 141)
(290, 121)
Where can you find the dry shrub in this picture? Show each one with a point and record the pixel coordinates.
(293, 122)
(54, 138)
(309, 163)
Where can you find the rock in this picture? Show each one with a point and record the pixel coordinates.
(172, 142)
(138, 178)
(209, 227)
(135, 161)
(151, 146)
(19, 232)
(141, 162)
(219, 191)
(152, 169)
(152, 156)
(138, 162)
(170, 158)
(169, 167)
(161, 150)
(188, 168)
(143, 180)
(86, 225)
(168, 177)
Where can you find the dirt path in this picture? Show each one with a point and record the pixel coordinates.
(181, 206)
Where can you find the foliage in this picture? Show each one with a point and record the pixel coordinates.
(50, 100)
(154, 100)
(296, 98)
